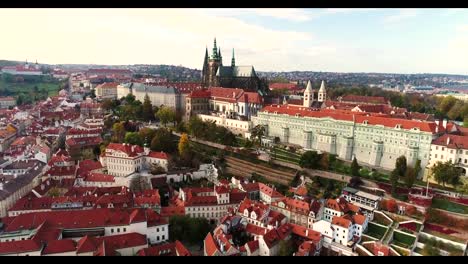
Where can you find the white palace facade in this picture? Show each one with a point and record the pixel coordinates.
(374, 139)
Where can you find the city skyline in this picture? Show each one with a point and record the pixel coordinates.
(329, 40)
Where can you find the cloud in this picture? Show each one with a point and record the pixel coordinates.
(290, 14)
(347, 10)
(462, 28)
(453, 11)
(400, 16)
(132, 36)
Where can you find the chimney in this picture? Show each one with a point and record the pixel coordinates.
(448, 140)
(444, 124)
(307, 232)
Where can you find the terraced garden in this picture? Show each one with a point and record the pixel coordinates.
(449, 206)
(403, 239)
(284, 155)
(244, 168)
(376, 231)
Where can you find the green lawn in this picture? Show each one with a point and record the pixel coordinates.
(13, 89)
(449, 206)
(403, 239)
(376, 231)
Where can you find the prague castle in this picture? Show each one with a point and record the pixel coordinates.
(215, 74)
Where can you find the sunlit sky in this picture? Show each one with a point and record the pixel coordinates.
(336, 40)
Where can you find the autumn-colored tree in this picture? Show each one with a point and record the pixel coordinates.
(183, 144)
(392, 206)
(118, 130)
(325, 161)
(410, 210)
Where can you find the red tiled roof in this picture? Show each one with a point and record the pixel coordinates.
(158, 155)
(200, 94)
(452, 141)
(276, 235)
(221, 189)
(235, 95)
(59, 246)
(169, 211)
(210, 245)
(341, 221)
(250, 187)
(307, 233)
(252, 245)
(294, 205)
(269, 191)
(83, 142)
(7, 98)
(99, 177)
(253, 229)
(130, 150)
(350, 116)
(171, 249)
(19, 246)
(77, 219)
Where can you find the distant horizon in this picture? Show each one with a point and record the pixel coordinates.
(153, 64)
(348, 40)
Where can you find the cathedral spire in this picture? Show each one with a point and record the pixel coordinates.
(233, 60)
(215, 50)
(220, 57)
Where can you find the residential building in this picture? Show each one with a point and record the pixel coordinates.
(367, 202)
(12, 187)
(210, 203)
(124, 159)
(7, 101)
(453, 148)
(107, 90)
(95, 222)
(171, 249)
(158, 94)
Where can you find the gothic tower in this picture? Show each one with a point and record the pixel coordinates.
(211, 65)
(322, 93)
(308, 95)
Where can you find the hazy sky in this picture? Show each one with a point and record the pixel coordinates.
(337, 40)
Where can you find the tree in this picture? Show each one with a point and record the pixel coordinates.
(465, 121)
(118, 131)
(147, 134)
(183, 144)
(258, 132)
(133, 138)
(309, 160)
(446, 172)
(196, 126)
(166, 115)
(325, 161)
(130, 98)
(162, 141)
(296, 180)
(391, 206)
(148, 113)
(398, 172)
(417, 168)
(446, 104)
(355, 181)
(286, 248)
(410, 177)
(355, 167)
